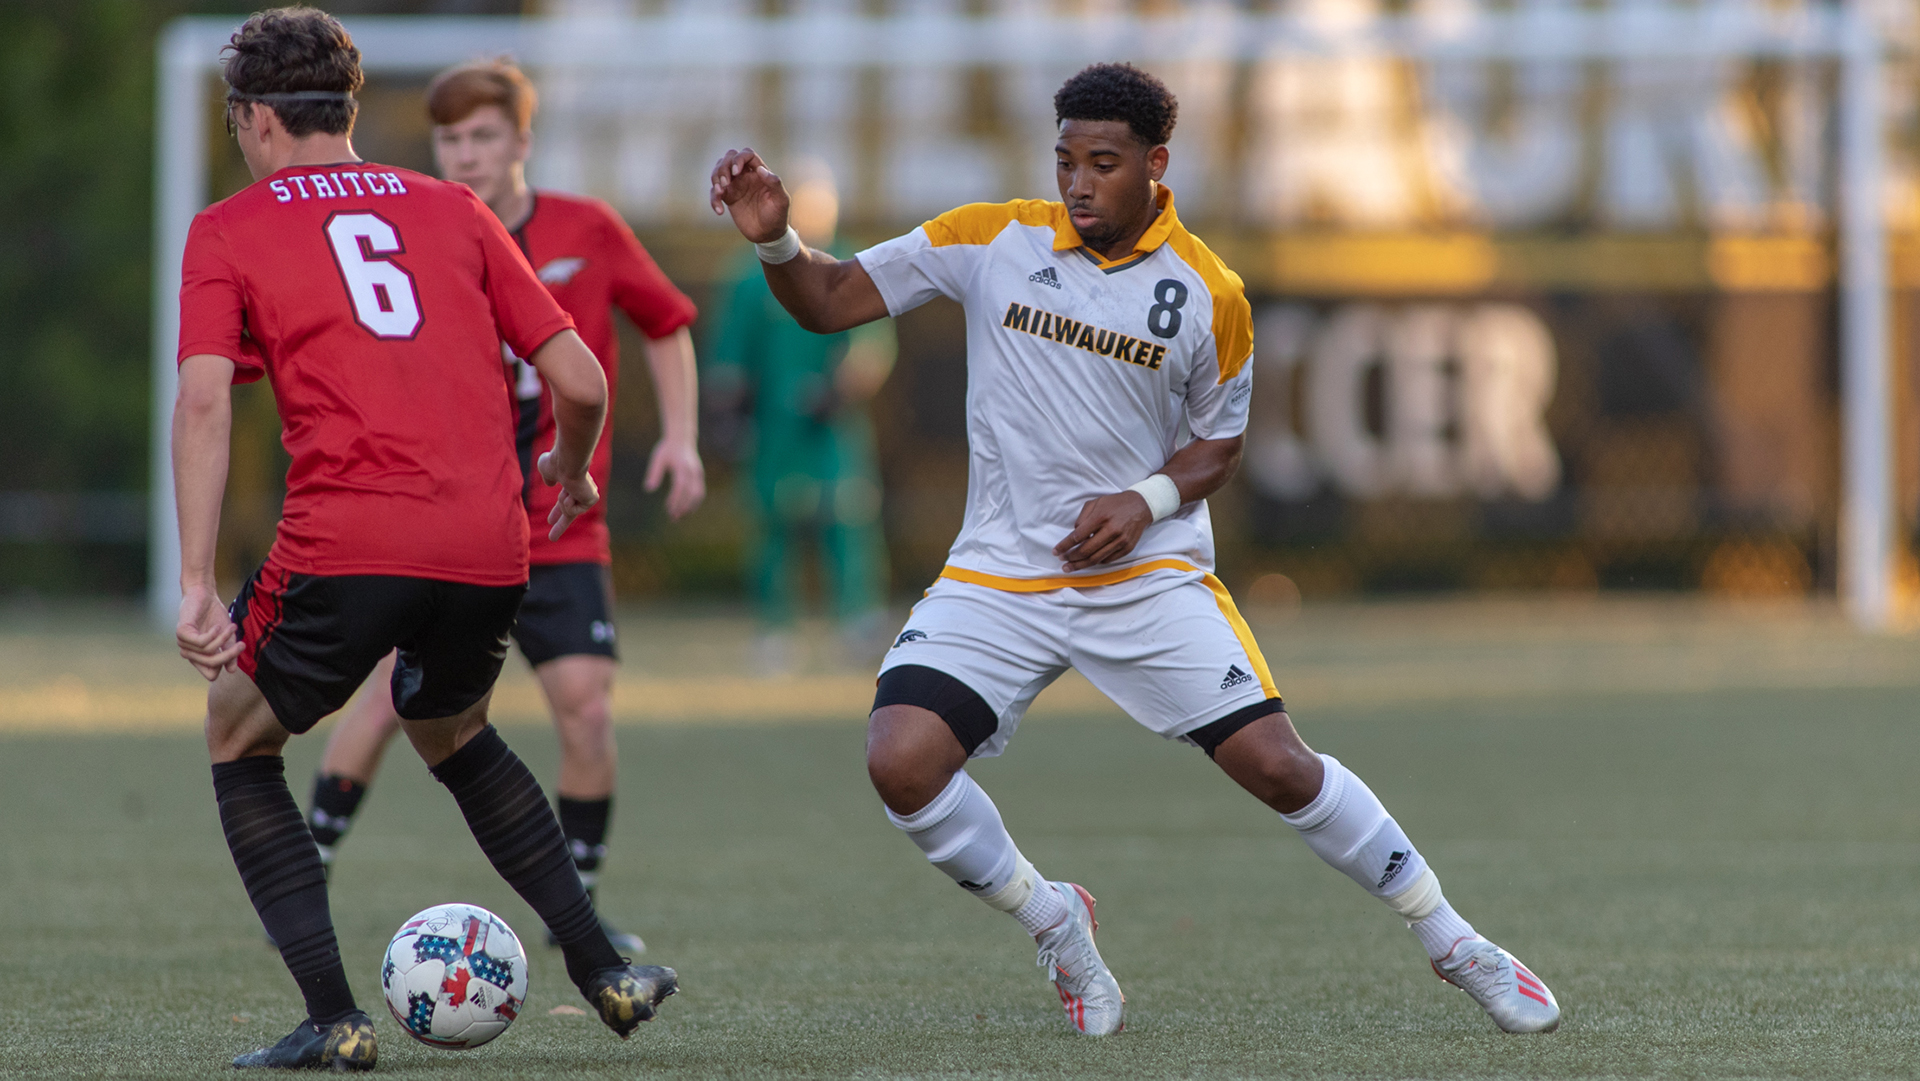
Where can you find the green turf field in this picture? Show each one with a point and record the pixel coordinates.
(1716, 883)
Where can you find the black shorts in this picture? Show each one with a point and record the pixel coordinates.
(309, 641)
(568, 611)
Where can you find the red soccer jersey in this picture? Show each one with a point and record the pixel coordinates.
(375, 299)
(592, 262)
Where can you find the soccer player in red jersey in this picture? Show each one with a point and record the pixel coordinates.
(591, 262)
(375, 299)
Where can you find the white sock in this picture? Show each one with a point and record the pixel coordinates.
(1441, 929)
(962, 834)
(1347, 826)
(1045, 908)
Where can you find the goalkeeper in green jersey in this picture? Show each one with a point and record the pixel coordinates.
(794, 404)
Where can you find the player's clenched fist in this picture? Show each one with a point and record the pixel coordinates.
(743, 184)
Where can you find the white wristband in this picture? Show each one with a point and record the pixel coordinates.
(781, 250)
(1161, 494)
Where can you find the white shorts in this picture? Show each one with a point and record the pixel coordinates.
(1175, 659)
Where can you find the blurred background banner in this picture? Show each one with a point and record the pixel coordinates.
(1549, 295)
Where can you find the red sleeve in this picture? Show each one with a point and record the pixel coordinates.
(525, 313)
(213, 305)
(639, 288)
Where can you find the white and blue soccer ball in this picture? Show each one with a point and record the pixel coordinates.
(455, 976)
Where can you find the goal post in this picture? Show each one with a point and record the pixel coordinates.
(670, 55)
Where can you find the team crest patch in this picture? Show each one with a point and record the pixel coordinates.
(561, 271)
(909, 635)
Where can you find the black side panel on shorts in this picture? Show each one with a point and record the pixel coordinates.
(452, 659)
(568, 611)
(313, 639)
(1211, 735)
(972, 720)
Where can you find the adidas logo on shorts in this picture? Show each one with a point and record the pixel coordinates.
(1045, 276)
(1235, 677)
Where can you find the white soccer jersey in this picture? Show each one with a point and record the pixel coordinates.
(1084, 375)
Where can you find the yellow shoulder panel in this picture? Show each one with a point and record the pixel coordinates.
(1232, 315)
(979, 223)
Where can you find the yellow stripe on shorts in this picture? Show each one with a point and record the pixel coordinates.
(1240, 630)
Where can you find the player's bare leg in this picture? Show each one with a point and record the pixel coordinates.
(1345, 824)
(917, 766)
(355, 748)
(509, 816)
(359, 739)
(579, 692)
(275, 856)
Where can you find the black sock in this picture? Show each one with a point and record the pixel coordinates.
(274, 852)
(510, 818)
(584, 821)
(330, 812)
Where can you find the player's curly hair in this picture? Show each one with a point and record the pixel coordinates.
(290, 49)
(1119, 92)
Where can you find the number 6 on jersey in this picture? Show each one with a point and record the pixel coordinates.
(384, 300)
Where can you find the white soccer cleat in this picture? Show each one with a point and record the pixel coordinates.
(1088, 991)
(1512, 995)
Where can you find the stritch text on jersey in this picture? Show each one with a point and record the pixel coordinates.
(364, 184)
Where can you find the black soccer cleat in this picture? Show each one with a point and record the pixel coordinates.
(346, 1045)
(627, 995)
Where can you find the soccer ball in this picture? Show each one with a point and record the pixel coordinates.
(454, 976)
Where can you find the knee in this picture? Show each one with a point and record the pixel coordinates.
(229, 744)
(1290, 778)
(1269, 760)
(891, 768)
(907, 767)
(586, 727)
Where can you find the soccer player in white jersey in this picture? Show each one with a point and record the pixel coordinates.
(1107, 389)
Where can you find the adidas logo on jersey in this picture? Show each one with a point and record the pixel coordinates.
(1235, 677)
(1045, 276)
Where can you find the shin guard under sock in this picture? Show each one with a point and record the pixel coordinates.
(275, 855)
(962, 834)
(509, 816)
(1346, 826)
(584, 822)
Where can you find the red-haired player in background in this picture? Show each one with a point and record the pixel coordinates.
(592, 263)
(375, 299)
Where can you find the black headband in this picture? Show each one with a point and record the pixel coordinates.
(290, 95)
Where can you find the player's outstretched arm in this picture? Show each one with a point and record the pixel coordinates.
(823, 294)
(579, 389)
(202, 427)
(1110, 525)
(676, 458)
